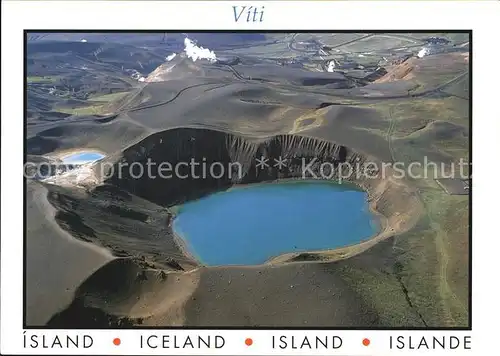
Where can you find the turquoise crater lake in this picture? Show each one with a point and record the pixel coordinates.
(250, 225)
(82, 157)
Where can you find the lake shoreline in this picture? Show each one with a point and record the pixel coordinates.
(375, 220)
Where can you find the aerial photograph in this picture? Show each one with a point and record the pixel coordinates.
(247, 179)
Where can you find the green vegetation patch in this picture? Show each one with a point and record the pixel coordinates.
(108, 97)
(41, 79)
(83, 110)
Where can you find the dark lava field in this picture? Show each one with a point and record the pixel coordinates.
(101, 251)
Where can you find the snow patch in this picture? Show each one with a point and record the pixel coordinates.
(81, 176)
(331, 66)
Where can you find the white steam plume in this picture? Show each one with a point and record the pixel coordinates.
(194, 52)
(423, 52)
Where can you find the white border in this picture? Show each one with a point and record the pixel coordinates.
(482, 17)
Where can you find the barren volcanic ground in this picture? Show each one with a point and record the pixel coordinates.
(101, 250)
